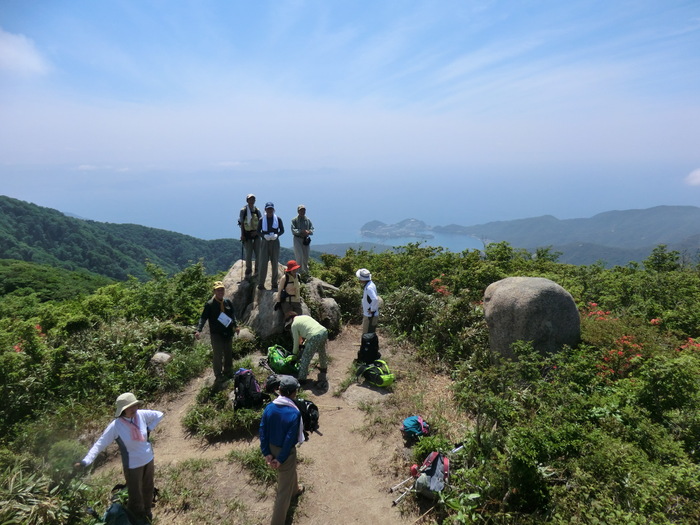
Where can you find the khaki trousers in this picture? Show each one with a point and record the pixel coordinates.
(287, 485)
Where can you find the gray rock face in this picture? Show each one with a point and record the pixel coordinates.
(255, 308)
(530, 309)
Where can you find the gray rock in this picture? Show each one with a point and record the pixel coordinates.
(254, 308)
(530, 309)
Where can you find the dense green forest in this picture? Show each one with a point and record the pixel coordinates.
(35, 234)
(606, 432)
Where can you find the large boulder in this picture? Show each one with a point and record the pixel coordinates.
(321, 294)
(530, 309)
(255, 308)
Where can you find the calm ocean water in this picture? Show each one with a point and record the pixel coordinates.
(453, 243)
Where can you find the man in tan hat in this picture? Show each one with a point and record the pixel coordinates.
(131, 428)
(218, 311)
(302, 229)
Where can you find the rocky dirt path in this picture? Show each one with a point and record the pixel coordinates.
(344, 471)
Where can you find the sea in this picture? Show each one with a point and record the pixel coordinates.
(452, 242)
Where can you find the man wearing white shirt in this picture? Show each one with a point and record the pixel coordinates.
(370, 301)
(271, 228)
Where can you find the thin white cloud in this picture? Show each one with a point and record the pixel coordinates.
(19, 55)
(693, 178)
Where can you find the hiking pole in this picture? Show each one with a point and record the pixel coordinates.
(242, 259)
(399, 485)
(402, 496)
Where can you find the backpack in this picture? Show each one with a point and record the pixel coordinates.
(309, 416)
(376, 373)
(117, 514)
(414, 427)
(369, 349)
(272, 383)
(247, 390)
(433, 475)
(281, 361)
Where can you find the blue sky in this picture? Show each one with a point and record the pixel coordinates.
(167, 113)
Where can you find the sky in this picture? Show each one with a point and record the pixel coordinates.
(167, 113)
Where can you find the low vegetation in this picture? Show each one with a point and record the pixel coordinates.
(601, 433)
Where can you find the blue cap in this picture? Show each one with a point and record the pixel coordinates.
(269, 205)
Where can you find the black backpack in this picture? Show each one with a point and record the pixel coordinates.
(309, 416)
(369, 349)
(247, 390)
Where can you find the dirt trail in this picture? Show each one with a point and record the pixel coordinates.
(341, 468)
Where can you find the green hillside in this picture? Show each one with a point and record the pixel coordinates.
(45, 236)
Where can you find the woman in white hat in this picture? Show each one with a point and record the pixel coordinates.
(130, 430)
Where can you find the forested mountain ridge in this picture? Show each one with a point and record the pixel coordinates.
(42, 235)
(628, 229)
(613, 237)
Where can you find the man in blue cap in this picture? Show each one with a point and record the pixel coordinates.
(281, 429)
(270, 229)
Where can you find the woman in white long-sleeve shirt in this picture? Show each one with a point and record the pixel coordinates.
(130, 430)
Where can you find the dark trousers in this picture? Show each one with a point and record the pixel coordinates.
(222, 360)
(139, 483)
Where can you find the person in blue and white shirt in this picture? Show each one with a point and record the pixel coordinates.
(130, 429)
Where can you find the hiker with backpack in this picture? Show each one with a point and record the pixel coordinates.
(302, 229)
(249, 221)
(370, 301)
(222, 325)
(130, 429)
(281, 429)
(289, 297)
(270, 229)
(315, 336)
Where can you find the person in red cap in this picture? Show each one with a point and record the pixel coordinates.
(289, 297)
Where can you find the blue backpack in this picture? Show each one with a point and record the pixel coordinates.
(414, 427)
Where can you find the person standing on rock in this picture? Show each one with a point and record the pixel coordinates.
(370, 301)
(270, 229)
(315, 335)
(290, 290)
(218, 311)
(130, 429)
(249, 221)
(281, 429)
(302, 229)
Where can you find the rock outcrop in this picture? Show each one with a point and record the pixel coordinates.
(255, 308)
(530, 309)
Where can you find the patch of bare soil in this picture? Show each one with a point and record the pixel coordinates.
(347, 470)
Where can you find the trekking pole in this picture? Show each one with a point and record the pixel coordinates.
(242, 259)
(399, 485)
(402, 496)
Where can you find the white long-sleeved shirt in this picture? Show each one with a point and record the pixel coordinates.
(134, 453)
(370, 300)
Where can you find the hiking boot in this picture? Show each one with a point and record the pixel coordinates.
(306, 383)
(322, 381)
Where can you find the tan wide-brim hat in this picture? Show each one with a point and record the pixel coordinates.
(125, 401)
